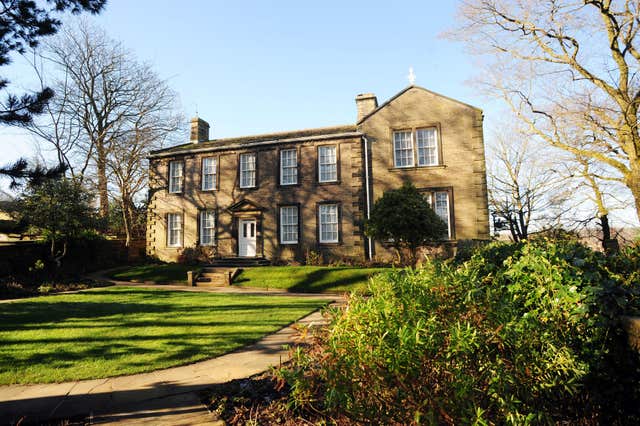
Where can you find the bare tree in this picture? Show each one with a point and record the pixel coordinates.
(600, 195)
(525, 190)
(559, 61)
(59, 129)
(155, 123)
(110, 110)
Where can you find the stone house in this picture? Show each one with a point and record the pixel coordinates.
(281, 195)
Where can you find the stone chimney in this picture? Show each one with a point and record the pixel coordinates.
(199, 130)
(366, 102)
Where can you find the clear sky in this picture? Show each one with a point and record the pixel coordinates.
(254, 67)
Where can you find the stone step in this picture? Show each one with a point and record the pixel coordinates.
(210, 276)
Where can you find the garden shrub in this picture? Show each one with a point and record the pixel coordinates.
(466, 248)
(313, 258)
(196, 255)
(519, 334)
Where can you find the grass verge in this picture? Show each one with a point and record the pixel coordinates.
(308, 279)
(157, 273)
(119, 331)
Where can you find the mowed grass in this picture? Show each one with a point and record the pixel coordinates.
(308, 279)
(160, 274)
(118, 331)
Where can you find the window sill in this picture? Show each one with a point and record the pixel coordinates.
(333, 182)
(415, 168)
(209, 190)
(289, 185)
(330, 244)
(289, 244)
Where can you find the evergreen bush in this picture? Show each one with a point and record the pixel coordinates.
(519, 334)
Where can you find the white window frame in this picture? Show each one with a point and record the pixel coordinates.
(207, 239)
(432, 199)
(331, 163)
(174, 223)
(403, 148)
(293, 168)
(176, 180)
(322, 223)
(427, 148)
(210, 171)
(417, 146)
(284, 224)
(248, 173)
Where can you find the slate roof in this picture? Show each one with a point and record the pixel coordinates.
(320, 133)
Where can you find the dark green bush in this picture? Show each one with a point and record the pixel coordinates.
(466, 248)
(520, 334)
(86, 253)
(196, 255)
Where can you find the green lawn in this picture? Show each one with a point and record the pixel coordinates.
(160, 274)
(119, 330)
(307, 279)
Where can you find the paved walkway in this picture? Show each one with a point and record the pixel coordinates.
(163, 397)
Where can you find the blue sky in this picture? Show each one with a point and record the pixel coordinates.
(263, 66)
(253, 67)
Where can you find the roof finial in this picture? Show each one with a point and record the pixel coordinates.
(411, 77)
(196, 110)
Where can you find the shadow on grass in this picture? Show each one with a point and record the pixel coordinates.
(128, 405)
(29, 313)
(313, 282)
(130, 335)
(182, 350)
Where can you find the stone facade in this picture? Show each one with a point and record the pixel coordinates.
(460, 170)
(460, 173)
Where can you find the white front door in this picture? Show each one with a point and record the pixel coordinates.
(247, 238)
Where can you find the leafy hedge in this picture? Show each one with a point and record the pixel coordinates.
(519, 334)
(31, 262)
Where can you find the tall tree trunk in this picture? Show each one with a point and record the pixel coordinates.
(608, 244)
(606, 231)
(126, 220)
(633, 182)
(101, 164)
(512, 229)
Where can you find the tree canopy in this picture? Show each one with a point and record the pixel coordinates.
(110, 110)
(569, 70)
(60, 209)
(22, 24)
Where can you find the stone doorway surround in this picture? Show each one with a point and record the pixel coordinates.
(245, 212)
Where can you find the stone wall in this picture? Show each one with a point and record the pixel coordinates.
(461, 172)
(462, 163)
(261, 203)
